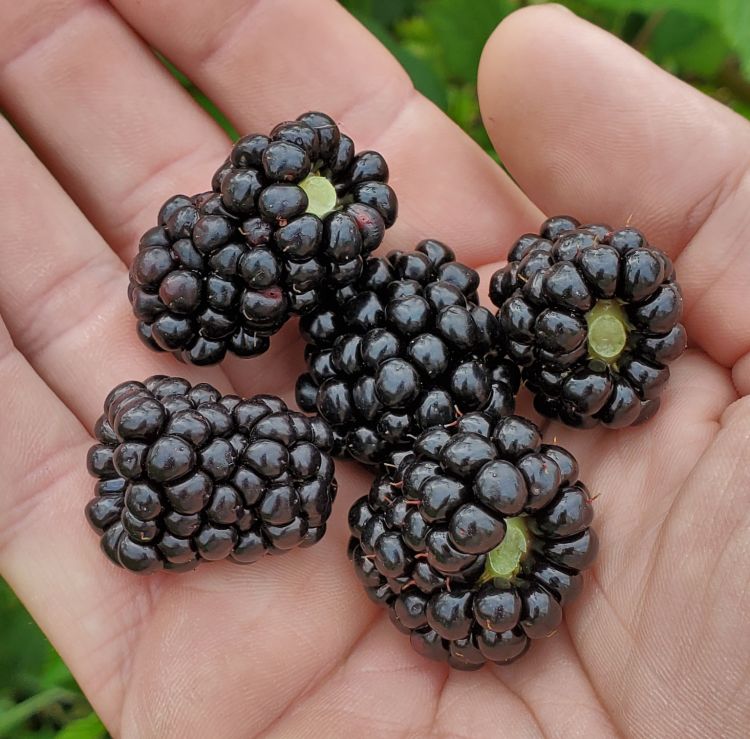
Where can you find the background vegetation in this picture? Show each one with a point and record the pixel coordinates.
(705, 42)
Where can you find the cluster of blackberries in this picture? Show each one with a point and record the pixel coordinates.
(291, 216)
(404, 349)
(474, 533)
(592, 315)
(475, 539)
(186, 474)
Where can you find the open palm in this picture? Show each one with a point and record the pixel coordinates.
(659, 644)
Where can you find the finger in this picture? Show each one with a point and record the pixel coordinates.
(741, 374)
(107, 118)
(81, 604)
(680, 636)
(620, 467)
(447, 187)
(626, 139)
(64, 293)
(588, 126)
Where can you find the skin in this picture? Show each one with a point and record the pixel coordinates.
(659, 643)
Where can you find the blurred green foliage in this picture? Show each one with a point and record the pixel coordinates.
(439, 42)
(38, 695)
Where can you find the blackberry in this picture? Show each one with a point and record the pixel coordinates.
(185, 474)
(291, 215)
(593, 317)
(405, 349)
(306, 190)
(475, 540)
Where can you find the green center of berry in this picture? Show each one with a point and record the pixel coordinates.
(608, 331)
(321, 195)
(505, 559)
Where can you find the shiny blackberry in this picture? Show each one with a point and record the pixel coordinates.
(311, 194)
(197, 291)
(186, 475)
(476, 540)
(291, 216)
(593, 317)
(405, 349)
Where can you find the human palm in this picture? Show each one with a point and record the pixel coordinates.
(659, 643)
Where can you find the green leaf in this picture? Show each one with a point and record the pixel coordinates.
(384, 12)
(735, 21)
(13, 718)
(420, 70)
(461, 31)
(617, 19)
(42, 732)
(687, 45)
(675, 30)
(55, 673)
(208, 105)
(463, 106)
(88, 727)
(23, 648)
(741, 107)
(701, 8)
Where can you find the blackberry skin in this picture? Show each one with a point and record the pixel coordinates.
(291, 216)
(185, 474)
(192, 287)
(475, 541)
(324, 206)
(405, 349)
(593, 317)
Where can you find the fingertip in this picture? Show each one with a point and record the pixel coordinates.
(587, 125)
(515, 31)
(516, 65)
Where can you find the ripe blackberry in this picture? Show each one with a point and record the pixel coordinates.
(593, 317)
(306, 190)
(475, 540)
(292, 215)
(185, 474)
(405, 349)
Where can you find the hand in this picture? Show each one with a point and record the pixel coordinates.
(659, 643)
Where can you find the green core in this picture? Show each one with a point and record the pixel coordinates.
(505, 559)
(321, 195)
(608, 331)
